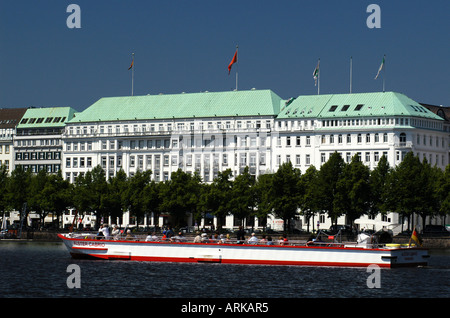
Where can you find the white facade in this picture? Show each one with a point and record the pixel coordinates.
(261, 142)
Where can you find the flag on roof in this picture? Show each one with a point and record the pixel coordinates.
(132, 62)
(381, 67)
(234, 60)
(316, 73)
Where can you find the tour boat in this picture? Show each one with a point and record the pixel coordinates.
(359, 254)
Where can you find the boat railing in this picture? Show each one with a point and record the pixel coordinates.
(143, 238)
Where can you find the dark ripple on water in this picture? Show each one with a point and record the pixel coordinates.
(40, 270)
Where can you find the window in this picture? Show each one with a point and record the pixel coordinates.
(359, 138)
(332, 108)
(344, 108)
(298, 140)
(367, 138)
(403, 138)
(308, 160)
(359, 107)
(349, 138)
(297, 160)
(377, 156)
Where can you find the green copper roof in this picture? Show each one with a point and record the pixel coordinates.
(355, 105)
(46, 117)
(185, 105)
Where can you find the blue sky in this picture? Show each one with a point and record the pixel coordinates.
(185, 46)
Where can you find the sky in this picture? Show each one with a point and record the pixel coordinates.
(186, 46)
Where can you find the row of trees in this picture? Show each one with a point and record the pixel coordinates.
(337, 189)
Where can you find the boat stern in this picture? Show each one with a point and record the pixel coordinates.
(407, 257)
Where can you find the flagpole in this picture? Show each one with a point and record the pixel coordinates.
(318, 81)
(237, 67)
(384, 72)
(351, 62)
(132, 75)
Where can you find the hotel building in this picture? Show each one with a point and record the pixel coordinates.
(212, 131)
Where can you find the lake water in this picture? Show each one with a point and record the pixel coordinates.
(39, 270)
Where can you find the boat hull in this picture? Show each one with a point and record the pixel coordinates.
(338, 255)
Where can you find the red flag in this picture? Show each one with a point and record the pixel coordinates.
(132, 62)
(234, 60)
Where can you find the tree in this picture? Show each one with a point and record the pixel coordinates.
(405, 188)
(242, 200)
(4, 178)
(444, 193)
(353, 191)
(327, 181)
(377, 182)
(217, 196)
(113, 199)
(58, 194)
(180, 195)
(134, 195)
(285, 193)
(153, 199)
(17, 188)
(429, 179)
(263, 200)
(89, 192)
(308, 202)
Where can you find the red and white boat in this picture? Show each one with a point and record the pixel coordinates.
(360, 254)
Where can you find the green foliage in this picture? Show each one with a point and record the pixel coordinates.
(337, 188)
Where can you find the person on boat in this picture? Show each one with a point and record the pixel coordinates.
(253, 239)
(222, 239)
(129, 237)
(263, 240)
(105, 230)
(204, 238)
(151, 237)
(269, 240)
(115, 232)
(240, 235)
(178, 238)
(198, 238)
(283, 240)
